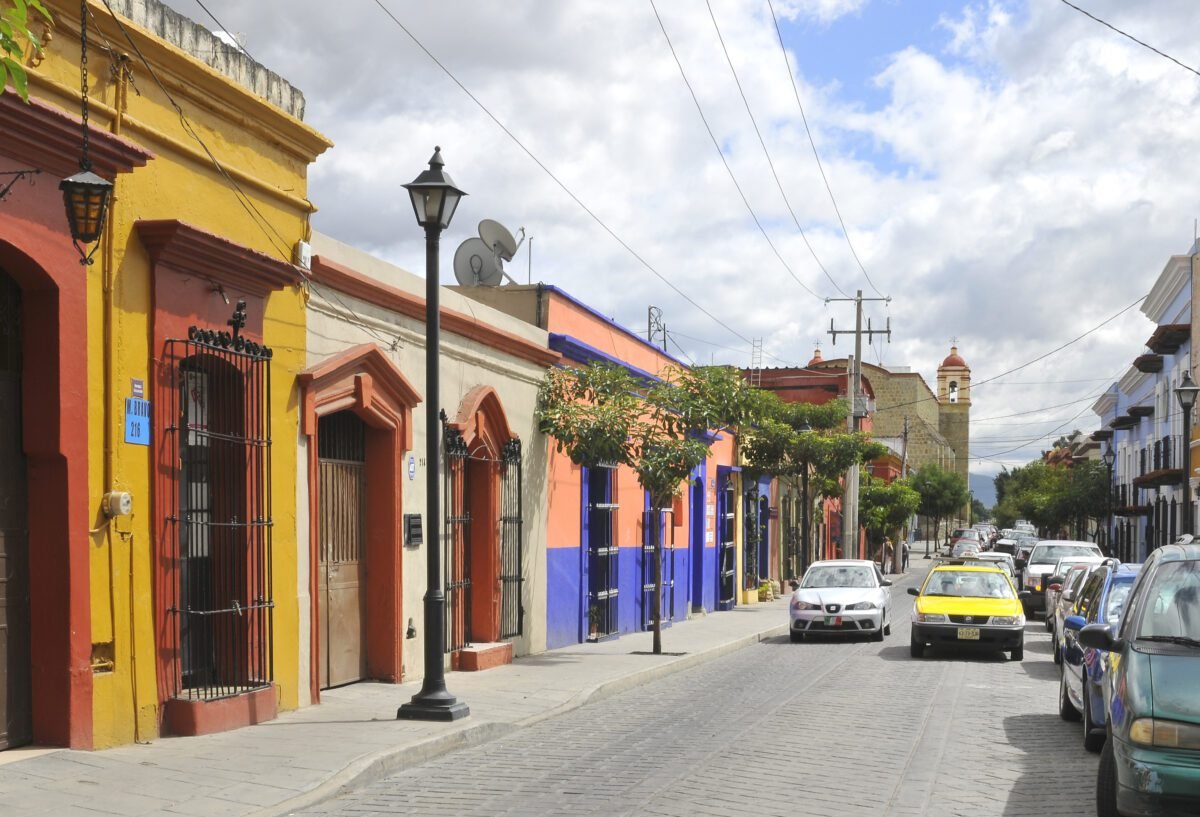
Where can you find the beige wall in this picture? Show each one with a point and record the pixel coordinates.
(336, 324)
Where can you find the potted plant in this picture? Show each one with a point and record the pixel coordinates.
(593, 621)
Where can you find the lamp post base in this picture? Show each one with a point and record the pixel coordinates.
(433, 709)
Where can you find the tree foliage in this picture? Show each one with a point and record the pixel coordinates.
(885, 508)
(942, 492)
(602, 414)
(14, 35)
(1056, 500)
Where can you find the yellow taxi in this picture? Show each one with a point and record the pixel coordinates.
(968, 606)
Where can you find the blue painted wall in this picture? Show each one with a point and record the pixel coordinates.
(565, 613)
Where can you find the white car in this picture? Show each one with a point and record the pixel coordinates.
(841, 596)
(1041, 563)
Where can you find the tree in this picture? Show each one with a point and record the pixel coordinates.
(14, 34)
(806, 442)
(942, 493)
(1055, 499)
(601, 413)
(979, 511)
(886, 507)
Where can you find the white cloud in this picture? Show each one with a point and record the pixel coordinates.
(1038, 184)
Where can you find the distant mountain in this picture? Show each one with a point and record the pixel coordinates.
(983, 487)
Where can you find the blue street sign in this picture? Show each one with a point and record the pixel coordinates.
(137, 421)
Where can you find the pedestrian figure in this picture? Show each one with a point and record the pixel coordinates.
(904, 558)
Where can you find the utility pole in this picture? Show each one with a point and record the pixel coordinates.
(897, 557)
(858, 410)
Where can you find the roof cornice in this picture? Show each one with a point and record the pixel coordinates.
(1171, 281)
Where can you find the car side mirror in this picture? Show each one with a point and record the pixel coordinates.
(886, 583)
(1024, 594)
(1074, 622)
(1098, 636)
(1021, 564)
(913, 591)
(1069, 595)
(1056, 580)
(795, 585)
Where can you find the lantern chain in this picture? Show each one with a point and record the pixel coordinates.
(85, 163)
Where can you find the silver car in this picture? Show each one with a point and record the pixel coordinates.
(841, 596)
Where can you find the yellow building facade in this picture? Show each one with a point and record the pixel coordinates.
(194, 330)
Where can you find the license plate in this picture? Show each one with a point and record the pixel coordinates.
(968, 633)
(836, 621)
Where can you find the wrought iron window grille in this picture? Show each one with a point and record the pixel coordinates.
(218, 544)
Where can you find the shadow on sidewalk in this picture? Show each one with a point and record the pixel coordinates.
(1053, 760)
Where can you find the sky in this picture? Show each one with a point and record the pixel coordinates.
(1009, 172)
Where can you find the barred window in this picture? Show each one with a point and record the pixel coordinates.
(219, 522)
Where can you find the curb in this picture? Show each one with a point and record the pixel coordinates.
(368, 769)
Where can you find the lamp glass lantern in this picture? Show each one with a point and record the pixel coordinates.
(1186, 392)
(1109, 456)
(86, 198)
(434, 194)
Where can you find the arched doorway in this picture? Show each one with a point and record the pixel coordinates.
(484, 561)
(341, 548)
(15, 702)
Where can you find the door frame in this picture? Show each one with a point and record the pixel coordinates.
(364, 380)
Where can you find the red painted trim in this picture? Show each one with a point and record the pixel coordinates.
(192, 251)
(42, 136)
(483, 402)
(364, 380)
(37, 253)
(367, 289)
(190, 718)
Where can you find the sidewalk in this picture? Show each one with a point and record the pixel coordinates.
(353, 737)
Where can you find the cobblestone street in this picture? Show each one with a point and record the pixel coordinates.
(827, 728)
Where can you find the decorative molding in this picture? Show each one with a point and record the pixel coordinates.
(1176, 274)
(45, 137)
(361, 377)
(193, 251)
(576, 350)
(359, 286)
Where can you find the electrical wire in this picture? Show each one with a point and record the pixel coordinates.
(222, 27)
(725, 161)
(1037, 359)
(600, 222)
(1131, 37)
(812, 143)
(762, 142)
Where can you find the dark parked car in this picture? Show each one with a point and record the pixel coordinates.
(1080, 692)
(1150, 763)
(1067, 600)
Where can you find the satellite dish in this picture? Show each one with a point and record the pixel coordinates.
(475, 264)
(497, 237)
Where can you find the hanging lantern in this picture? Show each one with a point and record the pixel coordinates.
(85, 194)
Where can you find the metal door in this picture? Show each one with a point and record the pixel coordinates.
(456, 563)
(666, 523)
(512, 544)
(341, 445)
(726, 544)
(15, 700)
(602, 553)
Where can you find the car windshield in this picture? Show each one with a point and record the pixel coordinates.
(1043, 554)
(839, 576)
(1114, 605)
(968, 583)
(1172, 603)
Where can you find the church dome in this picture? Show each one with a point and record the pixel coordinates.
(816, 358)
(954, 360)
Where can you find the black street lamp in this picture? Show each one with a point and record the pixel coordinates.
(1186, 392)
(1109, 457)
(434, 199)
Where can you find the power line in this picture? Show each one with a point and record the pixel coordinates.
(1037, 359)
(222, 27)
(761, 141)
(556, 180)
(725, 161)
(812, 143)
(1131, 37)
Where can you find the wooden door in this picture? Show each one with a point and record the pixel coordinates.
(15, 700)
(341, 592)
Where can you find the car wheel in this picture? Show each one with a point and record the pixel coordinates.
(887, 628)
(1057, 652)
(1049, 625)
(1066, 709)
(1092, 740)
(1106, 782)
(878, 634)
(915, 648)
(1018, 652)
(796, 637)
